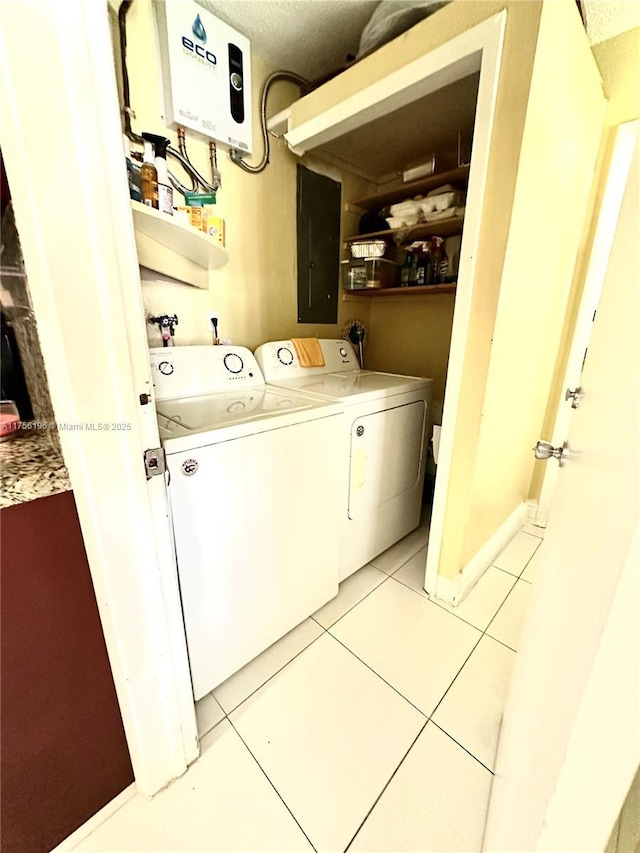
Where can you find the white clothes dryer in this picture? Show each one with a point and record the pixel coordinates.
(254, 485)
(385, 442)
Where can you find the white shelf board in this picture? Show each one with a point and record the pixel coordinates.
(278, 124)
(184, 240)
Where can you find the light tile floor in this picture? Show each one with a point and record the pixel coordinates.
(372, 726)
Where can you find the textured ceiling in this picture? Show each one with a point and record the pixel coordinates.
(608, 18)
(310, 37)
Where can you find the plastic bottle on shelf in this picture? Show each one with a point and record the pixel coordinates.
(149, 177)
(422, 271)
(439, 264)
(165, 190)
(407, 273)
(443, 266)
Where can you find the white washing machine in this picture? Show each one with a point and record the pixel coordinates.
(255, 483)
(385, 442)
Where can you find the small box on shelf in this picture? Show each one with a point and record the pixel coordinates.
(178, 237)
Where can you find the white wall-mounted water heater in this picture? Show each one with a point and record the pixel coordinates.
(206, 73)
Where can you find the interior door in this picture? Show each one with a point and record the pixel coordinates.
(570, 740)
(596, 270)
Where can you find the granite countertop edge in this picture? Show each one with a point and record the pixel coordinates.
(31, 467)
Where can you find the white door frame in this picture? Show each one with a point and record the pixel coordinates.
(596, 269)
(62, 146)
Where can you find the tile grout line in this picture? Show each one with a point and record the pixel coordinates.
(457, 742)
(528, 561)
(484, 634)
(382, 582)
(431, 715)
(442, 607)
(500, 642)
(385, 786)
(402, 565)
(498, 611)
(377, 675)
(455, 677)
(428, 718)
(273, 675)
(401, 762)
(324, 631)
(313, 847)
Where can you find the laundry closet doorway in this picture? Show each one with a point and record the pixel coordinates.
(533, 62)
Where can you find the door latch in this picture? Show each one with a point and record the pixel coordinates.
(575, 396)
(546, 450)
(155, 462)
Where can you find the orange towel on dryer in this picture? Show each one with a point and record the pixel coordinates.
(309, 352)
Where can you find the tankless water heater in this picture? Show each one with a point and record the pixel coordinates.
(206, 73)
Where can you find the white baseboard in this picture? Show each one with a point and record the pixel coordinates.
(72, 841)
(455, 590)
(532, 511)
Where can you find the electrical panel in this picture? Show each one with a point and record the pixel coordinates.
(206, 73)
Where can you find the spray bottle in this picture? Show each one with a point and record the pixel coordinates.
(165, 190)
(149, 177)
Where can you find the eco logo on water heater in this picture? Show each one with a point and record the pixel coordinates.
(199, 31)
(198, 50)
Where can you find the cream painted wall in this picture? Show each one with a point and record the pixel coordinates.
(531, 312)
(255, 293)
(618, 60)
(412, 335)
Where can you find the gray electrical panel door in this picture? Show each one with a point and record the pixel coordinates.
(318, 247)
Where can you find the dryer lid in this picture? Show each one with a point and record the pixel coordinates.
(355, 387)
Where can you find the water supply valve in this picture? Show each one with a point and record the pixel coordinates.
(166, 323)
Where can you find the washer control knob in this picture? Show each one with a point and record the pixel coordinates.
(233, 362)
(343, 352)
(285, 356)
(166, 368)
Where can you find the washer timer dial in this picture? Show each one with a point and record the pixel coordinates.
(233, 362)
(285, 356)
(343, 352)
(166, 368)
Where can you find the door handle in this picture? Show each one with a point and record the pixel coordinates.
(546, 450)
(576, 395)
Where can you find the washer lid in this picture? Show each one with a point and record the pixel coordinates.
(213, 411)
(355, 386)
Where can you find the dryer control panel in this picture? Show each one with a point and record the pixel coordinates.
(279, 359)
(199, 370)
